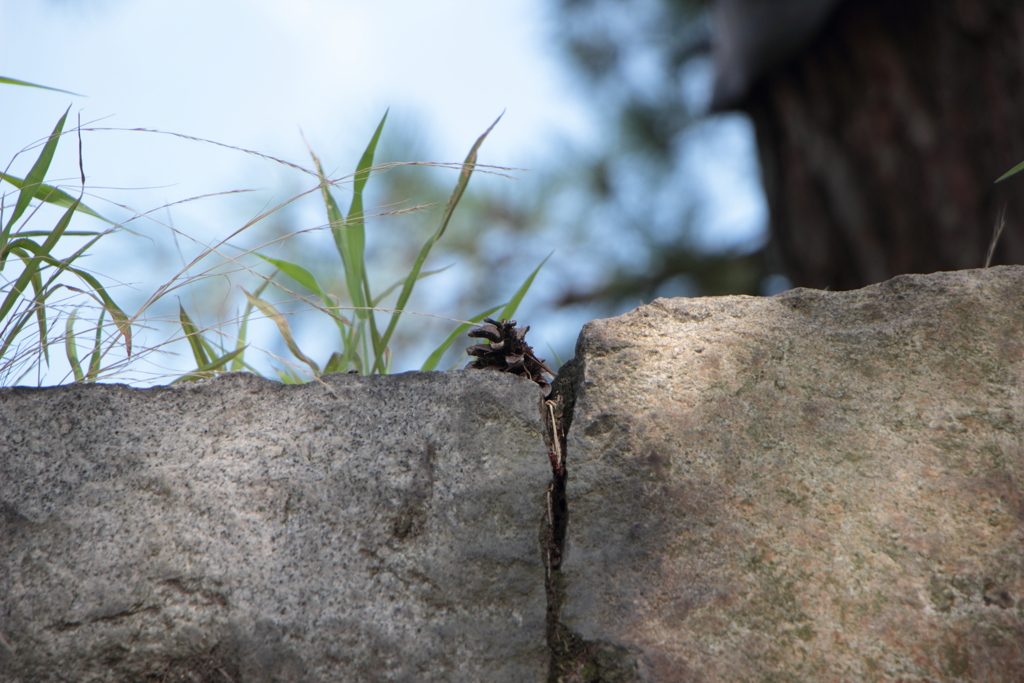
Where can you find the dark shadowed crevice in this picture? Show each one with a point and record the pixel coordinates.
(572, 658)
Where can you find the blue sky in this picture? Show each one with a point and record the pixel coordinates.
(253, 73)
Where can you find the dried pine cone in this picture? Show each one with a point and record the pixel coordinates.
(508, 352)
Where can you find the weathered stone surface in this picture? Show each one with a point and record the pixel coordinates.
(810, 487)
(241, 530)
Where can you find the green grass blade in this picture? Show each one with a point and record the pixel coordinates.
(354, 238)
(362, 170)
(513, 303)
(40, 299)
(378, 355)
(309, 281)
(336, 363)
(468, 167)
(33, 261)
(297, 273)
(460, 187)
(52, 195)
(238, 362)
(379, 350)
(395, 285)
(435, 356)
(193, 337)
(554, 354)
(338, 232)
(34, 256)
(334, 215)
(70, 347)
(33, 264)
(338, 228)
(69, 233)
(12, 328)
(350, 347)
(210, 369)
(97, 355)
(24, 250)
(1013, 171)
(35, 177)
(285, 329)
(121, 320)
(230, 356)
(289, 376)
(357, 363)
(15, 81)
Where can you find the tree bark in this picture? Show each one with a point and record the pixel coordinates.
(881, 141)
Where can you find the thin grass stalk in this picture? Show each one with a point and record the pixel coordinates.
(57, 197)
(284, 329)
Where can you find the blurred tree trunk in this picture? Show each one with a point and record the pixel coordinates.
(880, 142)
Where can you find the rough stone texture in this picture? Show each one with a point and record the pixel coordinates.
(238, 530)
(809, 487)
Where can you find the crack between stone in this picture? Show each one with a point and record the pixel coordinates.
(572, 659)
(565, 647)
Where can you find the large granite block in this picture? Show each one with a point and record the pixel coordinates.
(363, 529)
(816, 486)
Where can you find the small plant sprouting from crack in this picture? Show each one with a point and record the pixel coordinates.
(506, 350)
(572, 658)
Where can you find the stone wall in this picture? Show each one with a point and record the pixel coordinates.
(814, 486)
